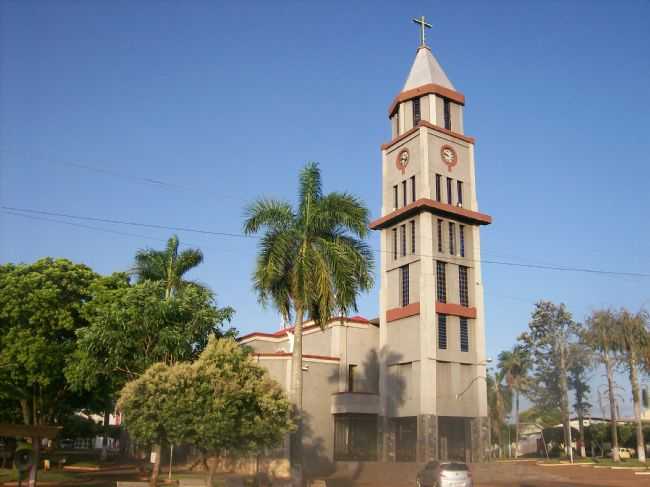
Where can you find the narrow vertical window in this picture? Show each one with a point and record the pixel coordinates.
(442, 332)
(464, 335)
(402, 239)
(440, 243)
(461, 230)
(404, 193)
(395, 198)
(447, 109)
(459, 193)
(394, 243)
(416, 111)
(397, 117)
(412, 189)
(452, 238)
(463, 292)
(412, 236)
(404, 285)
(441, 282)
(449, 193)
(352, 369)
(438, 188)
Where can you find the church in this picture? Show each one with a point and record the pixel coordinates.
(408, 386)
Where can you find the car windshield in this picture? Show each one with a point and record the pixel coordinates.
(454, 466)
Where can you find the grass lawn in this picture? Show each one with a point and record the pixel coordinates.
(7, 475)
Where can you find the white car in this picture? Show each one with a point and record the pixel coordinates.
(623, 453)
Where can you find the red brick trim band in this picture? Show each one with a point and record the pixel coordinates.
(394, 314)
(431, 88)
(437, 207)
(287, 354)
(455, 310)
(424, 123)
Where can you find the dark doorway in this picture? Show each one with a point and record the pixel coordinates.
(406, 437)
(454, 439)
(355, 437)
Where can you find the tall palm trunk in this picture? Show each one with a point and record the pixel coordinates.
(516, 423)
(612, 405)
(296, 398)
(581, 428)
(107, 422)
(634, 381)
(564, 402)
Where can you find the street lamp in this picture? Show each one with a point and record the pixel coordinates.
(483, 362)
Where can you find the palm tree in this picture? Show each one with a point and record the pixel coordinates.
(633, 341)
(599, 334)
(514, 365)
(499, 401)
(168, 266)
(312, 262)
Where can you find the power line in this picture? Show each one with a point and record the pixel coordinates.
(241, 235)
(123, 222)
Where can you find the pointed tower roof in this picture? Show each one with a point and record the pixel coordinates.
(426, 70)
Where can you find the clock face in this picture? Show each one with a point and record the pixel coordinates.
(449, 156)
(402, 160)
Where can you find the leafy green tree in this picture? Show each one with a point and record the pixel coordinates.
(168, 266)
(312, 262)
(542, 416)
(551, 332)
(223, 403)
(599, 334)
(40, 312)
(633, 341)
(131, 327)
(515, 365)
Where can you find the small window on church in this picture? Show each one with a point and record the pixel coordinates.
(440, 243)
(412, 236)
(441, 282)
(352, 369)
(394, 243)
(404, 285)
(416, 111)
(413, 189)
(461, 230)
(464, 335)
(404, 195)
(438, 188)
(459, 193)
(463, 291)
(402, 238)
(395, 198)
(449, 193)
(442, 332)
(447, 109)
(452, 238)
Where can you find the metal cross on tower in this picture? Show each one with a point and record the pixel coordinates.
(423, 25)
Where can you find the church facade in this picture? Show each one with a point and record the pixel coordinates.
(408, 386)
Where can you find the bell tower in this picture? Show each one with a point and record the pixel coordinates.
(432, 322)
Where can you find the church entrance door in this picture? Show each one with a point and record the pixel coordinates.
(406, 437)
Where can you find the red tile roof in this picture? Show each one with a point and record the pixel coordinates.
(284, 331)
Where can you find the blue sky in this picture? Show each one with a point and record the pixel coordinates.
(225, 101)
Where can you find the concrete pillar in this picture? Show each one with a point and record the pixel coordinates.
(480, 428)
(427, 446)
